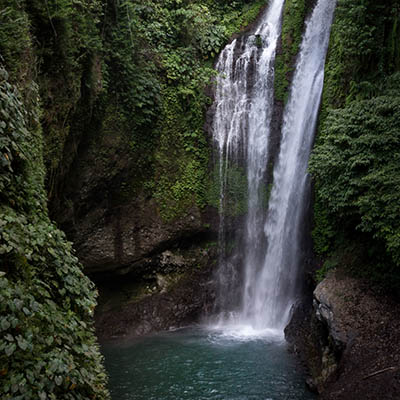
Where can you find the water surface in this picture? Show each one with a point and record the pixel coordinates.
(199, 364)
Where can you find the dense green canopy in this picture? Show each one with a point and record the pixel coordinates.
(357, 167)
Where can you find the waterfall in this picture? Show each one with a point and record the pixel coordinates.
(241, 124)
(268, 250)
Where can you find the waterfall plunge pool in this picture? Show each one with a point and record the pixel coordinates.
(198, 364)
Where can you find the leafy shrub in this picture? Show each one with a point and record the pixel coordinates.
(362, 52)
(355, 185)
(47, 343)
(356, 164)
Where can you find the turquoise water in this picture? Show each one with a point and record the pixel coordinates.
(199, 364)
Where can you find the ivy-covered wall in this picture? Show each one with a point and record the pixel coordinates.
(48, 348)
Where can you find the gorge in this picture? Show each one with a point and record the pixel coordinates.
(219, 363)
(170, 141)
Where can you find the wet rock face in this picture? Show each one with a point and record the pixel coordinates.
(162, 311)
(115, 226)
(327, 308)
(350, 340)
(176, 294)
(105, 200)
(152, 274)
(308, 339)
(122, 238)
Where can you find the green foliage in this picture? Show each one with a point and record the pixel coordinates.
(356, 182)
(356, 164)
(361, 51)
(68, 39)
(182, 155)
(358, 167)
(350, 254)
(166, 50)
(235, 181)
(294, 14)
(325, 230)
(131, 71)
(53, 42)
(20, 143)
(15, 40)
(12, 131)
(47, 342)
(89, 54)
(323, 272)
(176, 196)
(47, 346)
(237, 15)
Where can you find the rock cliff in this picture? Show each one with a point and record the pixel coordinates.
(351, 340)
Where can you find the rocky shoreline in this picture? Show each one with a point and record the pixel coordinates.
(349, 340)
(347, 336)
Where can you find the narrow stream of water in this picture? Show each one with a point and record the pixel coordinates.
(200, 364)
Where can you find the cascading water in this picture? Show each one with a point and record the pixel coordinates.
(270, 246)
(243, 108)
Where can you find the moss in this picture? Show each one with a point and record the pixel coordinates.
(237, 20)
(181, 161)
(175, 143)
(394, 45)
(363, 50)
(53, 43)
(294, 14)
(16, 42)
(181, 157)
(235, 200)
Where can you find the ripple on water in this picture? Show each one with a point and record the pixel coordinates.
(202, 364)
